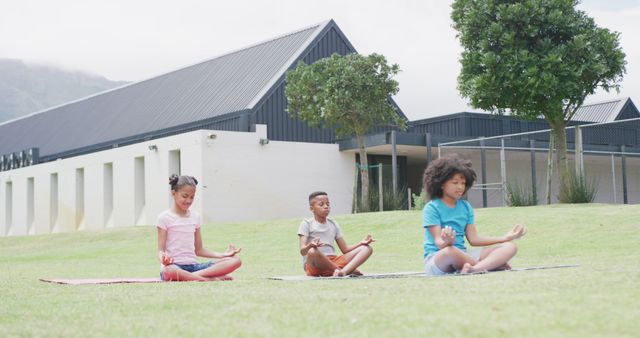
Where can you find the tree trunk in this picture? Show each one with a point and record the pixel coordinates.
(549, 169)
(364, 174)
(560, 141)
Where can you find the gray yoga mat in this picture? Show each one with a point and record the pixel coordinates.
(411, 274)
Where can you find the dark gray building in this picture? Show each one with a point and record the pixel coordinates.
(412, 149)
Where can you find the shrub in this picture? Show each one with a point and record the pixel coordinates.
(520, 195)
(419, 201)
(579, 190)
(390, 201)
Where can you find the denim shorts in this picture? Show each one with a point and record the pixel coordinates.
(430, 267)
(191, 267)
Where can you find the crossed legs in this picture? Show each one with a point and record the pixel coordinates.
(218, 271)
(493, 258)
(353, 259)
(451, 259)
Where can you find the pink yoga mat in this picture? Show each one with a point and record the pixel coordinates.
(101, 280)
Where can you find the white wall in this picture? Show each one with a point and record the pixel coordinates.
(245, 180)
(240, 179)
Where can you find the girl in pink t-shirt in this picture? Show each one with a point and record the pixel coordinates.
(180, 240)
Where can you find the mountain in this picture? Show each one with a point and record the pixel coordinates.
(27, 88)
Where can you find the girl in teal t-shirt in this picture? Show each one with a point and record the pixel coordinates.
(447, 219)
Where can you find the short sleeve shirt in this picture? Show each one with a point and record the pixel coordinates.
(181, 231)
(438, 213)
(327, 232)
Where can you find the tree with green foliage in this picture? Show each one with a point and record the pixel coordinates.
(535, 58)
(349, 93)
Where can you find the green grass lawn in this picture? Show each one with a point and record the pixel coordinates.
(601, 298)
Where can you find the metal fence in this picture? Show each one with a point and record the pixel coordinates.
(523, 158)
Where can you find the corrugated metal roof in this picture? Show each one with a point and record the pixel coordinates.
(606, 111)
(225, 84)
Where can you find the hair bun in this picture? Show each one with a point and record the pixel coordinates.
(194, 180)
(173, 179)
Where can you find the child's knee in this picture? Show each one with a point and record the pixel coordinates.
(313, 252)
(512, 247)
(169, 272)
(233, 262)
(453, 254)
(367, 248)
(169, 268)
(448, 251)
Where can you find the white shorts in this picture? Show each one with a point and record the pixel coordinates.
(430, 267)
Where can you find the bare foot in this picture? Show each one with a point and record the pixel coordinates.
(338, 273)
(506, 266)
(466, 269)
(356, 272)
(220, 278)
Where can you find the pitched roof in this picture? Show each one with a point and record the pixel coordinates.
(605, 111)
(225, 84)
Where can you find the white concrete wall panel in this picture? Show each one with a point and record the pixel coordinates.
(4, 213)
(245, 179)
(239, 179)
(19, 219)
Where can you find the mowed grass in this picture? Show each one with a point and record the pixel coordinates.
(598, 299)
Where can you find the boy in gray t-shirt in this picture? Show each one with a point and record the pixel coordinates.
(317, 236)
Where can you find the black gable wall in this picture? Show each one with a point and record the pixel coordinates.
(628, 112)
(272, 111)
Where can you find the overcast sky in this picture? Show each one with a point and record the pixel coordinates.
(136, 39)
